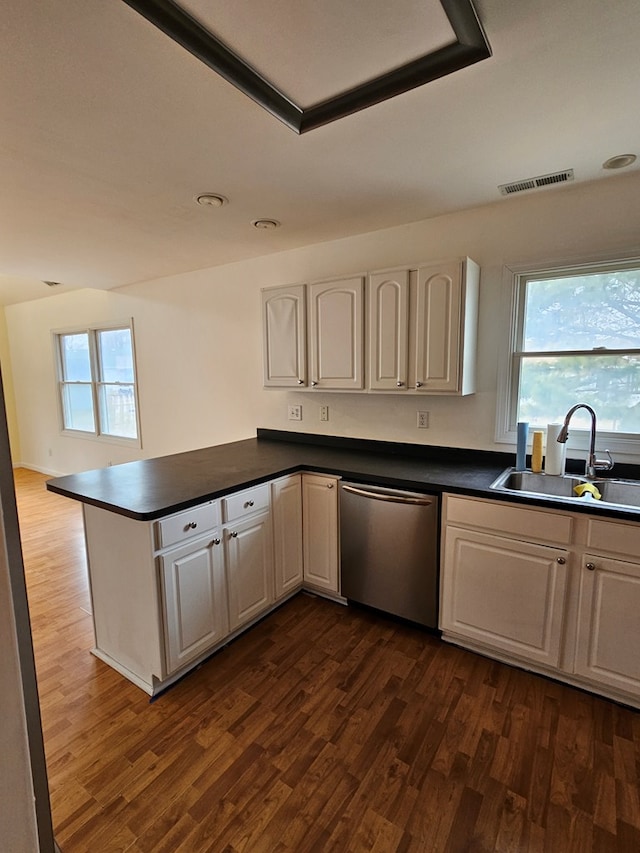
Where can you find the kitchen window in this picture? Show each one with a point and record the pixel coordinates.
(97, 383)
(575, 338)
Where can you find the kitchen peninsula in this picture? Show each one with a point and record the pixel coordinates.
(188, 550)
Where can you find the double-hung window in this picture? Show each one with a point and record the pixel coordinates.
(97, 382)
(576, 339)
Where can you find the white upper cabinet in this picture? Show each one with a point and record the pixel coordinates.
(422, 328)
(284, 336)
(388, 318)
(435, 358)
(336, 334)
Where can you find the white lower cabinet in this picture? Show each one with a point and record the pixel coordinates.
(505, 594)
(249, 557)
(608, 639)
(320, 532)
(608, 632)
(194, 600)
(557, 592)
(286, 512)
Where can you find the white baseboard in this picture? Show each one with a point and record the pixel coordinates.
(48, 471)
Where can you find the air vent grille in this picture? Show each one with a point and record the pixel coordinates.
(536, 183)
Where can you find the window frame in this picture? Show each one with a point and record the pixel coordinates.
(512, 355)
(96, 382)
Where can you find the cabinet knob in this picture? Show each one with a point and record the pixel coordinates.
(591, 567)
(561, 560)
(300, 381)
(399, 384)
(191, 525)
(329, 485)
(419, 384)
(248, 503)
(313, 382)
(233, 534)
(216, 541)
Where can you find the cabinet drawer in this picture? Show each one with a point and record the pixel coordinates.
(182, 525)
(238, 505)
(614, 537)
(532, 525)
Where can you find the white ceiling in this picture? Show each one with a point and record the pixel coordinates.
(109, 129)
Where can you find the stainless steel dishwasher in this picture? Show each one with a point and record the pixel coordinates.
(389, 551)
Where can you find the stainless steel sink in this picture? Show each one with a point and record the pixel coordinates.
(623, 492)
(612, 491)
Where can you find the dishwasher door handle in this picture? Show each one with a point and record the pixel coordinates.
(391, 498)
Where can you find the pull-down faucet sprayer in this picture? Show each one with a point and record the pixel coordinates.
(592, 463)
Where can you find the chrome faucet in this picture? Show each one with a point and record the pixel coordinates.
(592, 463)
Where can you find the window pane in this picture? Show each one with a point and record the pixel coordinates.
(118, 411)
(116, 355)
(549, 387)
(583, 312)
(76, 362)
(77, 408)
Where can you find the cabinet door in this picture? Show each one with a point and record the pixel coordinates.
(286, 511)
(249, 555)
(388, 330)
(284, 336)
(195, 600)
(608, 635)
(504, 594)
(336, 334)
(320, 531)
(436, 328)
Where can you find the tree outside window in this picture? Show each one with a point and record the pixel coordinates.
(578, 340)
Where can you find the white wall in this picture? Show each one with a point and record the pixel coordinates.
(198, 335)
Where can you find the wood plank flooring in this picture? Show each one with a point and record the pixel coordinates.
(323, 729)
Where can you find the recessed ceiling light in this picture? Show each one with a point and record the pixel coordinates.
(211, 200)
(619, 161)
(266, 224)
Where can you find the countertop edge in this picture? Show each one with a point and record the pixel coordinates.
(372, 455)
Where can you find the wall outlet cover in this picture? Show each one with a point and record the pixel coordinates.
(423, 420)
(295, 413)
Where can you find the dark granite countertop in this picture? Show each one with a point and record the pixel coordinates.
(152, 488)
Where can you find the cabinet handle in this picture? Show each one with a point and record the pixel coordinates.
(300, 381)
(216, 541)
(313, 382)
(399, 384)
(191, 525)
(591, 567)
(419, 384)
(248, 503)
(233, 534)
(561, 560)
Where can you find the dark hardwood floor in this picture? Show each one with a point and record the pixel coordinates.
(324, 728)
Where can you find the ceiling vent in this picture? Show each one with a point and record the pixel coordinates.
(536, 183)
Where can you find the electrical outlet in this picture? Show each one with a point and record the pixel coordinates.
(423, 420)
(295, 413)
(324, 413)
